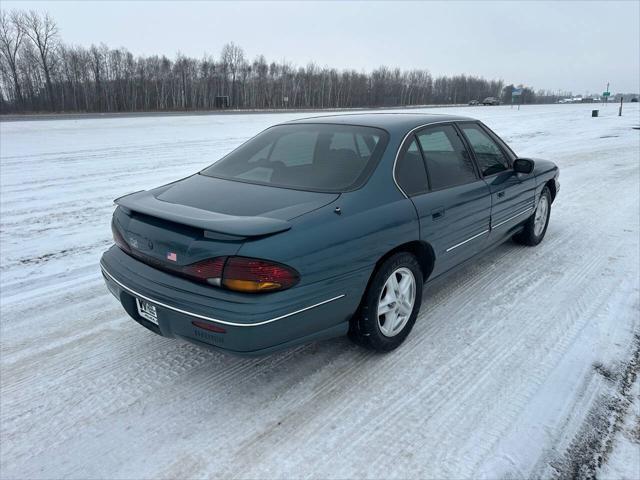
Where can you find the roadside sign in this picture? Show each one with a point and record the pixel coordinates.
(606, 94)
(516, 92)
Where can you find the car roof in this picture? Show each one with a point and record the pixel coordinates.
(396, 122)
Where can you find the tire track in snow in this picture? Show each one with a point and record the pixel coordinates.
(392, 401)
(436, 384)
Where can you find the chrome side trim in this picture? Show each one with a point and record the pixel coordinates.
(492, 227)
(204, 317)
(511, 218)
(404, 139)
(467, 240)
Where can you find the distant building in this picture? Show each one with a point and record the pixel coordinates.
(577, 99)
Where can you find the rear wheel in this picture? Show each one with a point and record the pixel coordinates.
(536, 227)
(390, 304)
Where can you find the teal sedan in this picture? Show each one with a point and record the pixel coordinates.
(322, 227)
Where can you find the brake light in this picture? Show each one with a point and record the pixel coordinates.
(119, 239)
(209, 270)
(241, 274)
(252, 275)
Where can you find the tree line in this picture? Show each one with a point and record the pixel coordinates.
(40, 73)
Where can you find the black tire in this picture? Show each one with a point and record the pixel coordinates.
(365, 328)
(528, 236)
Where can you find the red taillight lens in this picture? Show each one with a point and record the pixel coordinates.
(209, 270)
(208, 326)
(255, 276)
(242, 274)
(119, 239)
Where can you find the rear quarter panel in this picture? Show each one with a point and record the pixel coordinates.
(326, 246)
(342, 249)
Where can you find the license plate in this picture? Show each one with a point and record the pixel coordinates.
(147, 310)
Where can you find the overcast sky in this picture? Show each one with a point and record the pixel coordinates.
(576, 46)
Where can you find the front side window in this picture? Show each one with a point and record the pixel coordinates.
(317, 157)
(448, 162)
(490, 158)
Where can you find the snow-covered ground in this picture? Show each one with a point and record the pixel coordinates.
(521, 365)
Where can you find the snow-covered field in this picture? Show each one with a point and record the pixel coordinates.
(521, 365)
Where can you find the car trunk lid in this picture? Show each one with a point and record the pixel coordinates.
(203, 217)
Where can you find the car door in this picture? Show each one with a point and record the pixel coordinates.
(453, 203)
(512, 194)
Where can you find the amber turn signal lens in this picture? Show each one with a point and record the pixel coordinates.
(250, 286)
(252, 275)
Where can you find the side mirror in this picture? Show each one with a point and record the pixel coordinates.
(523, 165)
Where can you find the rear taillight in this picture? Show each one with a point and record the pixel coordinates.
(255, 276)
(241, 274)
(119, 239)
(209, 270)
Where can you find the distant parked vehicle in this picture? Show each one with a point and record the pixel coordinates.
(321, 227)
(634, 100)
(491, 101)
(474, 102)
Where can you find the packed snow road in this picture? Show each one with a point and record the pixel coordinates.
(514, 366)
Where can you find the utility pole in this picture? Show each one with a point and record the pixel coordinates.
(620, 111)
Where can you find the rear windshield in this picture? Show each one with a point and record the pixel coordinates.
(319, 157)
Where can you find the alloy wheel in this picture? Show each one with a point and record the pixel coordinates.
(541, 214)
(396, 302)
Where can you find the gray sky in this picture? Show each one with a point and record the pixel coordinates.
(576, 46)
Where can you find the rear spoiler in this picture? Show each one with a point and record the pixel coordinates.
(146, 203)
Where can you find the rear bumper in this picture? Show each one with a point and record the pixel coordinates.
(253, 324)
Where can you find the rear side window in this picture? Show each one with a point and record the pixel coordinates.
(410, 173)
(316, 157)
(448, 161)
(490, 158)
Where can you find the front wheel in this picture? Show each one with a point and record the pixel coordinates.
(390, 304)
(536, 226)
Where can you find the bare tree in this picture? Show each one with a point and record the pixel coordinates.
(43, 33)
(96, 61)
(11, 37)
(232, 57)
